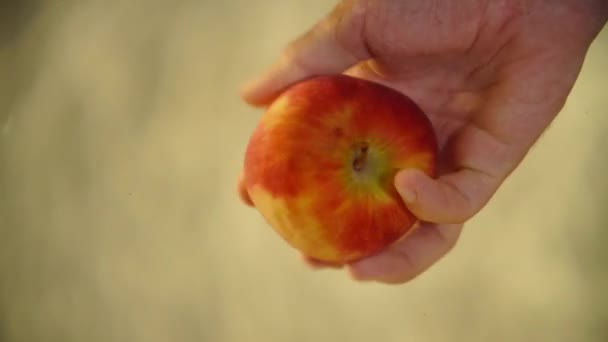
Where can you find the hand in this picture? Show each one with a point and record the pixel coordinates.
(491, 75)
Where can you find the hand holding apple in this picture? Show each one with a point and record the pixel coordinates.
(490, 75)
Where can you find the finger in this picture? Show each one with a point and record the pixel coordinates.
(330, 47)
(409, 257)
(242, 190)
(479, 164)
(483, 153)
(453, 198)
(478, 160)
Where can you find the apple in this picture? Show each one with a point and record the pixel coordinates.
(320, 165)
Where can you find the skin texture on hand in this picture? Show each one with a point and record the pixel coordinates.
(490, 74)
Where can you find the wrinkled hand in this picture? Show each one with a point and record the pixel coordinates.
(491, 75)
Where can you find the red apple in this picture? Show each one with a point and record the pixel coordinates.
(320, 165)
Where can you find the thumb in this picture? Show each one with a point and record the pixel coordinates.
(453, 198)
(330, 47)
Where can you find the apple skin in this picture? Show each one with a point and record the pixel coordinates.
(320, 165)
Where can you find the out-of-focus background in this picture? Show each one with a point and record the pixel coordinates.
(121, 135)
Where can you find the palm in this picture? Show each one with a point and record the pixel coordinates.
(489, 76)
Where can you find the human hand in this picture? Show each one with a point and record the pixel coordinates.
(491, 76)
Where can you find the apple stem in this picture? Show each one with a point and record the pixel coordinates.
(360, 158)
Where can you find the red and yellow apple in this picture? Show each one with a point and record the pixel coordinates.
(320, 165)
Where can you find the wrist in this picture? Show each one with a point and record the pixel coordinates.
(596, 12)
(602, 8)
(588, 17)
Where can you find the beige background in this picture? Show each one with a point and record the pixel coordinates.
(121, 134)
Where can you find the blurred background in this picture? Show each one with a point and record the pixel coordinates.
(121, 135)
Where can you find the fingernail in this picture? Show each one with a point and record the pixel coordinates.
(252, 84)
(361, 271)
(408, 195)
(248, 86)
